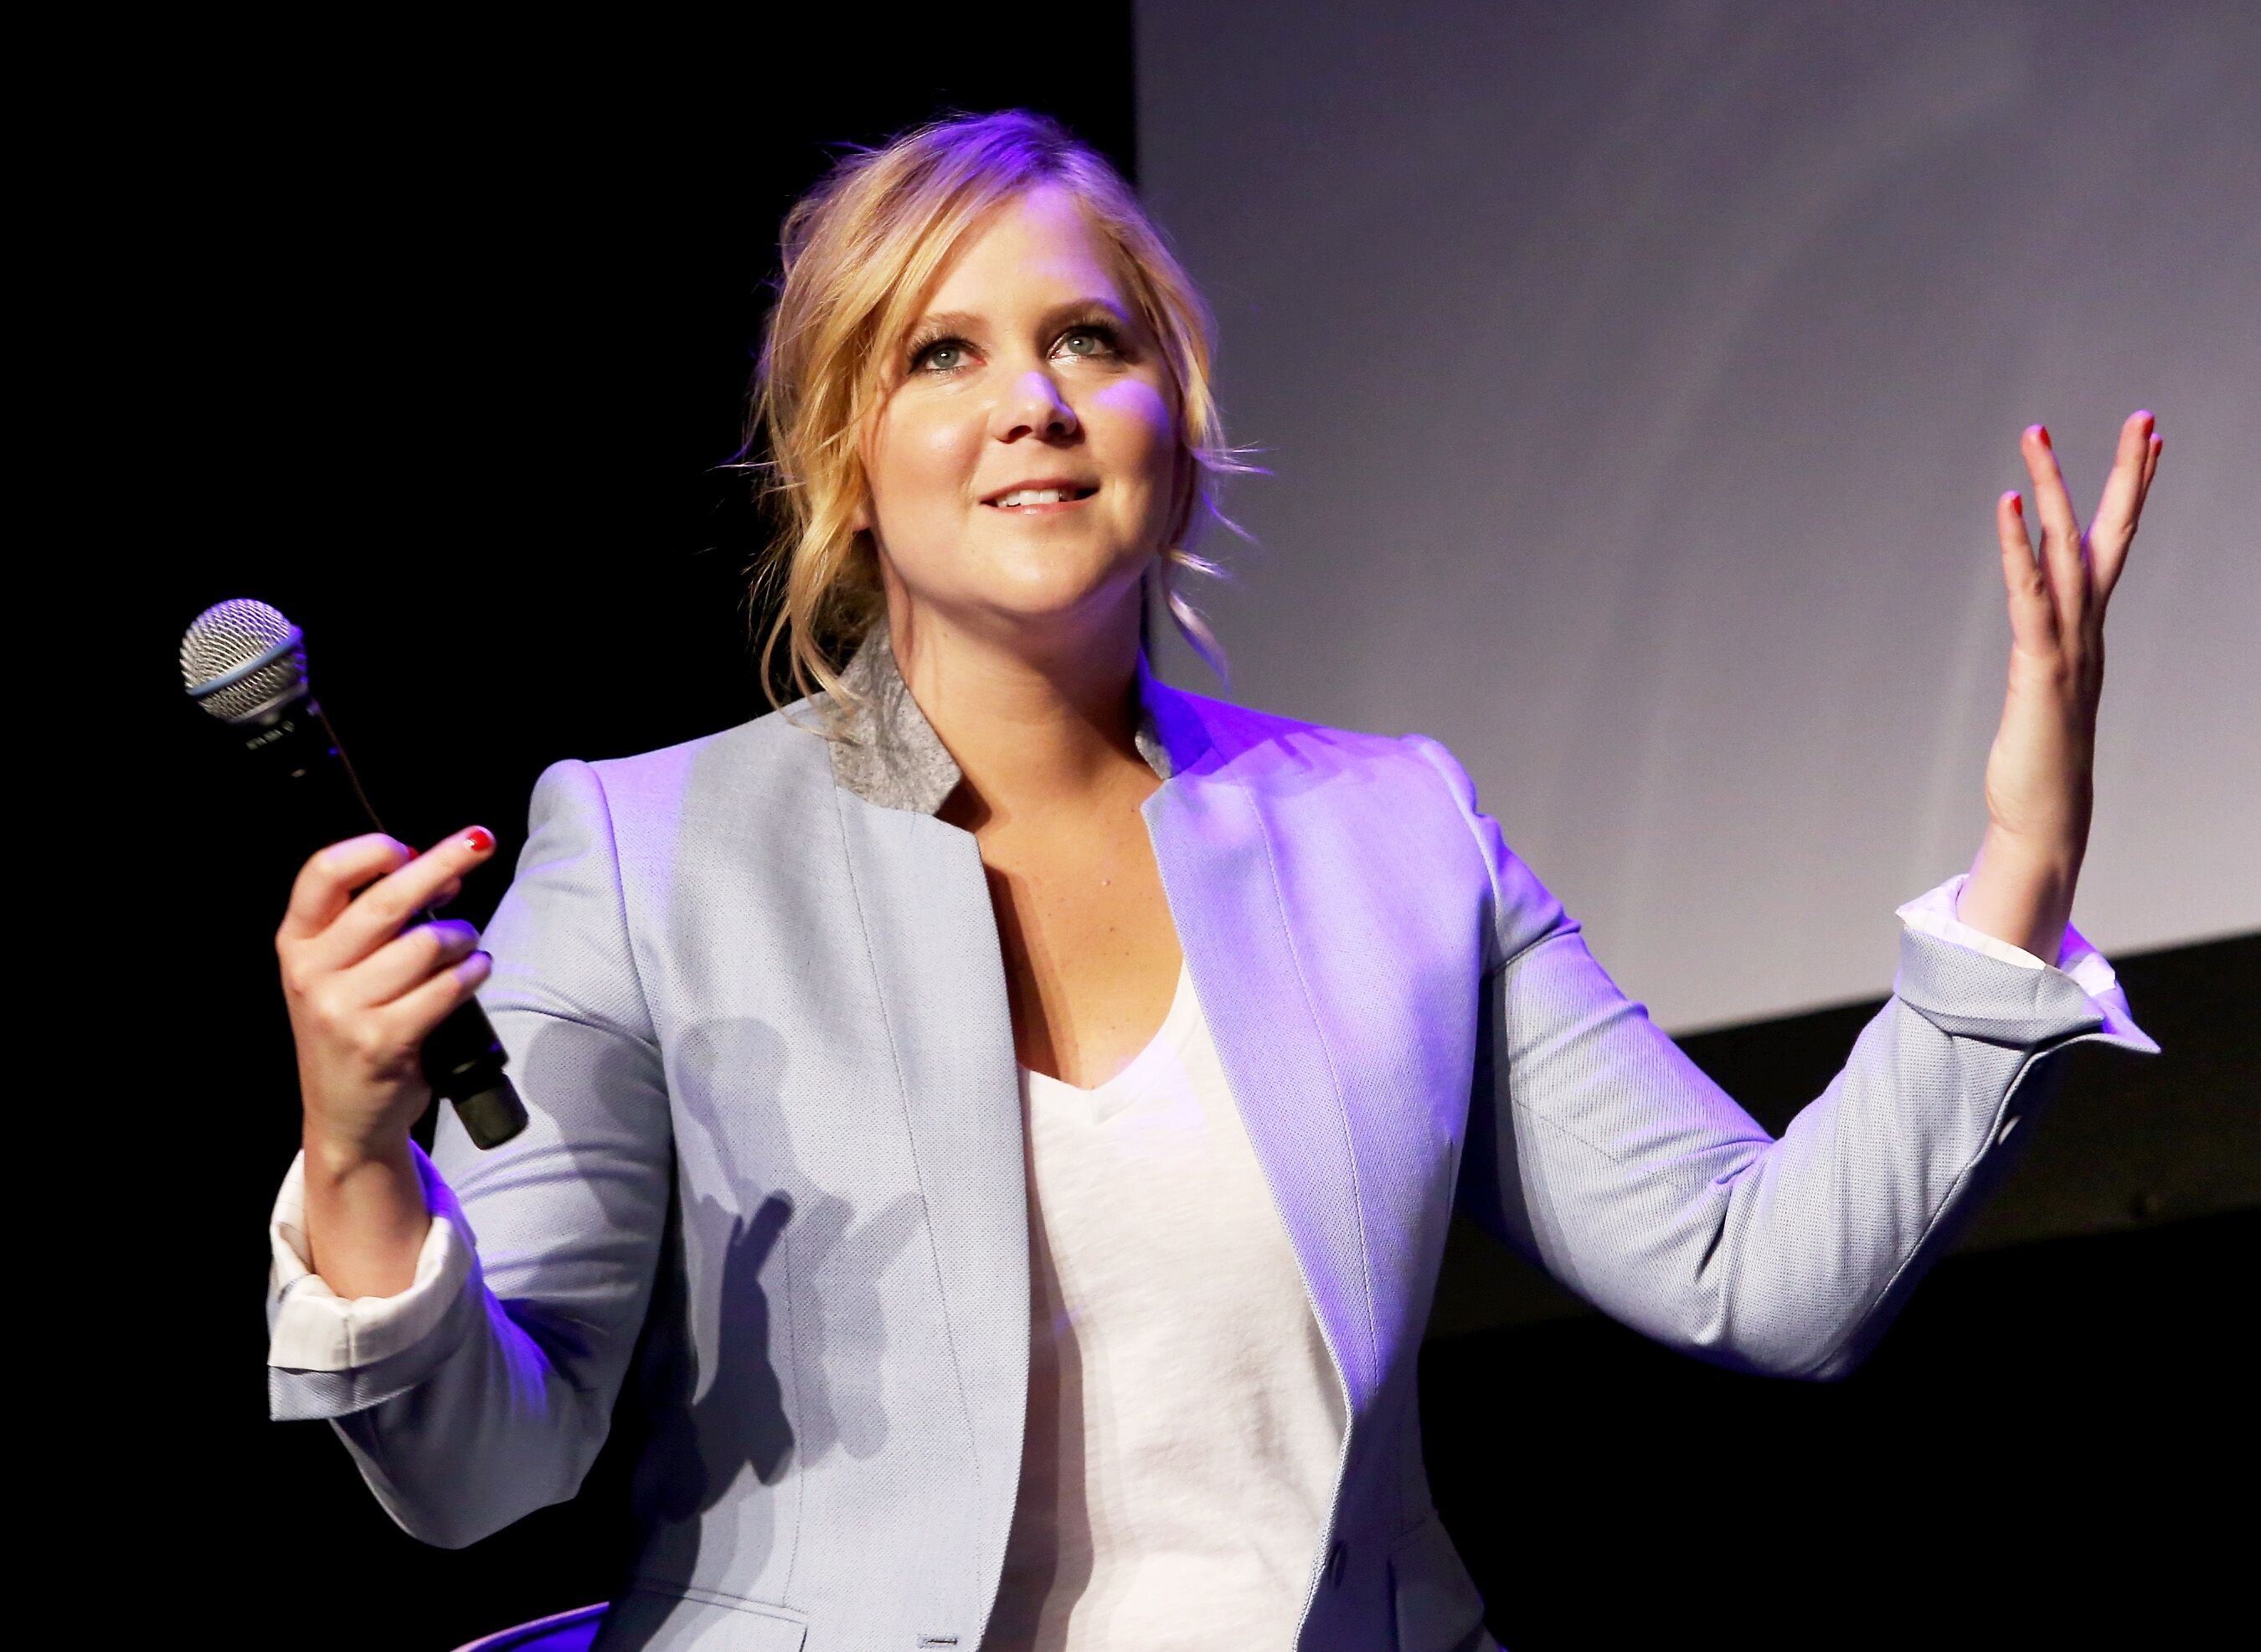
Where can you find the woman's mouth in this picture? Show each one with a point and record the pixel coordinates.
(1040, 501)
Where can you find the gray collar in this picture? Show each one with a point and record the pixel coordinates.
(888, 754)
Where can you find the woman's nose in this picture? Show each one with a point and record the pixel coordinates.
(1034, 406)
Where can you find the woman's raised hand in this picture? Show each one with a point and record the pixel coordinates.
(362, 994)
(2039, 774)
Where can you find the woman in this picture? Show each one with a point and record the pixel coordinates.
(966, 1306)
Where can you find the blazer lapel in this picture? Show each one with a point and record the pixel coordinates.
(1213, 844)
(932, 941)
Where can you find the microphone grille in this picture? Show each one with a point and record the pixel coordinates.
(240, 658)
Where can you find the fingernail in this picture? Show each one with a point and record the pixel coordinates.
(2042, 431)
(478, 840)
(2018, 503)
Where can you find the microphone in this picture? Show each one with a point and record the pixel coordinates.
(246, 664)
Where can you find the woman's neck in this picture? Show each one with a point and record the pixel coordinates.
(1031, 729)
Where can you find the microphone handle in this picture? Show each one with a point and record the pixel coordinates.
(462, 1058)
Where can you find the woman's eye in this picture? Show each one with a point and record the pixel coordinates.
(1101, 339)
(930, 357)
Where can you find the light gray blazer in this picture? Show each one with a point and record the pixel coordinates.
(751, 990)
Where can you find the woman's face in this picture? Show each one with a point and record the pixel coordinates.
(1028, 365)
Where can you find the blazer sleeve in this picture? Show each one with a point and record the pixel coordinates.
(1596, 1149)
(501, 1405)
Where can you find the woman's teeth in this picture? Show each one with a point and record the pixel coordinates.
(1039, 496)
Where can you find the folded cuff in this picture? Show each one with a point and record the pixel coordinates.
(312, 1328)
(1940, 977)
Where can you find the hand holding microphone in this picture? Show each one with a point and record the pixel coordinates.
(381, 1017)
(364, 993)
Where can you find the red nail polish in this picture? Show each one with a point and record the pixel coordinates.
(480, 839)
(2046, 442)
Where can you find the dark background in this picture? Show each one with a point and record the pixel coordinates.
(440, 346)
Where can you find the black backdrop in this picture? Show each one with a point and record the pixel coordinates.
(440, 346)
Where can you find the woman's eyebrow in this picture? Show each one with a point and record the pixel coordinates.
(1053, 315)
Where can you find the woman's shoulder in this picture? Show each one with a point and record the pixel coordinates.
(759, 766)
(1255, 745)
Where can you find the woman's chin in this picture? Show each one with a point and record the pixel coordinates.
(1057, 590)
(997, 591)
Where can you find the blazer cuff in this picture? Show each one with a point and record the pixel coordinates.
(1969, 983)
(312, 1328)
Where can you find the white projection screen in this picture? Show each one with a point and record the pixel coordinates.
(1637, 381)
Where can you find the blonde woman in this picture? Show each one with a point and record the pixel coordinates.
(1015, 1106)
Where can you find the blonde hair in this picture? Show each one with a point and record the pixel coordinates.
(859, 250)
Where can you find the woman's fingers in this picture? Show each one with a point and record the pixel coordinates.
(2061, 560)
(2033, 620)
(2121, 507)
(2123, 488)
(2077, 567)
(408, 960)
(416, 1012)
(376, 915)
(327, 882)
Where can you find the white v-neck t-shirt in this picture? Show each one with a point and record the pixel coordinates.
(1184, 1421)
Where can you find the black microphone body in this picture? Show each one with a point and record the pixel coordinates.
(292, 740)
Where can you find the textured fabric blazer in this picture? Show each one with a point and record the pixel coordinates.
(753, 996)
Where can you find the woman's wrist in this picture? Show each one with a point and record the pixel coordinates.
(2021, 892)
(366, 1216)
(339, 1156)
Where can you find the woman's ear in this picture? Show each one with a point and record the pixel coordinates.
(859, 518)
